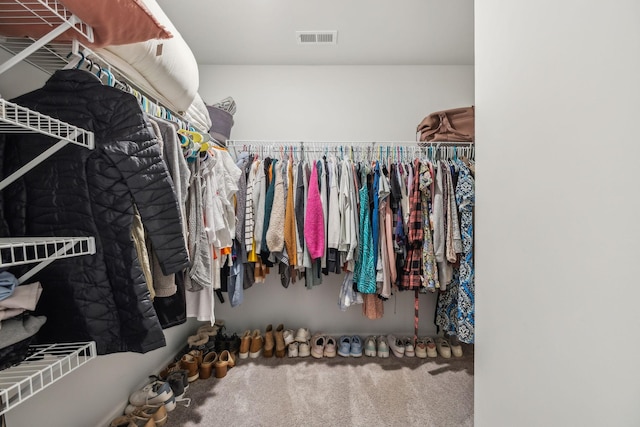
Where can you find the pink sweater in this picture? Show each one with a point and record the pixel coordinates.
(314, 218)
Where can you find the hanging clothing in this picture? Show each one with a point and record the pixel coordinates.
(290, 225)
(314, 219)
(429, 264)
(412, 277)
(456, 306)
(365, 272)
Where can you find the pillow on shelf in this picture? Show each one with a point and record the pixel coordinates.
(114, 22)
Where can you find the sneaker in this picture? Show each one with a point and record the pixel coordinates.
(330, 347)
(370, 346)
(288, 337)
(156, 393)
(345, 346)
(431, 347)
(179, 383)
(456, 348)
(396, 345)
(317, 349)
(409, 350)
(421, 348)
(383, 347)
(356, 346)
(293, 349)
(444, 349)
(304, 349)
(303, 335)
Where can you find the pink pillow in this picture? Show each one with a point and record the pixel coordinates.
(114, 22)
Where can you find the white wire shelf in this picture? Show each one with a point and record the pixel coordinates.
(17, 119)
(48, 19)
(24, 250)
(44, 365)
(48, 58)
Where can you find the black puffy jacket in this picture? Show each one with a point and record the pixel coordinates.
(80, 192)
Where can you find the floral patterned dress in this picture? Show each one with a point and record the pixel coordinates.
(456, 306)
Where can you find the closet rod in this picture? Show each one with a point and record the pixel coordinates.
(284, 143)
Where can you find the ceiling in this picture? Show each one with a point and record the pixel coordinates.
(370, 32)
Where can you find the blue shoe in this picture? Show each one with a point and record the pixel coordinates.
(356, 346)
(344, 348)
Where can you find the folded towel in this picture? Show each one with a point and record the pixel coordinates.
(24, 297)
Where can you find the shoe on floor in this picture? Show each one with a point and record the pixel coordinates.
(288, 337)
(256, 344)
(303, 335)
(293, 349)
(156, 393)
(409, 350)
(444, 349)
(383, 347)
(245, 344)
(278, 335)
(421, 348)
(356, 346)
(330, 347)
(208, 364)
(396, 345)
(269, 342)
(370, 346)
(304, 349)
(456, 348)
(190, 364)
(344, 346)
(317, 348)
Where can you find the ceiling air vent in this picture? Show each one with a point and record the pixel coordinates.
(317, 37)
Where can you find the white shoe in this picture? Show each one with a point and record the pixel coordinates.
(303, 335)
(293, 349)
(287, 334)
(304, 349)
(370, 346)
(444, 349)
(409, 350)
(383, 347)
(456, 348)
(396, 345)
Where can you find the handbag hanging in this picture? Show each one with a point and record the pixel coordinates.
(454, 125)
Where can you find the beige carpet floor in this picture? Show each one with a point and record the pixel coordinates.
(335, 392)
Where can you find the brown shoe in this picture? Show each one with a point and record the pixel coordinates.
(198, 356)
(207, 364)
(256, 344)
(225, 362)
(190, 364)
(198, 341)
(281, 348)
(245, 344)
(269, 342)
(174, 366)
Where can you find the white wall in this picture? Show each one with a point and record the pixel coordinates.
(557, 95)
(331, 103)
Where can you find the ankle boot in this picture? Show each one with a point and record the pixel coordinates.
(269, 343)
(256, 344)
(190, 364)
(245, 344)
(281, 348)
(207, 364)
(198, 354)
